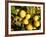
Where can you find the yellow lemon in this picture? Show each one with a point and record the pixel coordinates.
(17, 10)
(28, 16)
(35, 18)
(34, 27)
(22, 14)
(25, 21)
(29, 27)
(36, 23)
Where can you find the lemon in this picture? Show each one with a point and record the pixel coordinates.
(34, 27)
(16, 18)
(20, 19)
(29, 27)
(22, 13)
(28, 16)
(35, 18)
(25, 21)
(36, 23)
(17, 10)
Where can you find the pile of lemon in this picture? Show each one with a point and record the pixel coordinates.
(24, 19)
(26, 22)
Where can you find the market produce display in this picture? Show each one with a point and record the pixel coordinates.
(25, 18)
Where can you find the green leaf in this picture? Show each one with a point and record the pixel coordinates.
(39, 18)
(13, 10)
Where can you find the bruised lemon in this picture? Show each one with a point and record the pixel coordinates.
(25, 21)
(35, 18)
(29, 27)
(36, 23)
(22, 13)
(28, 16)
